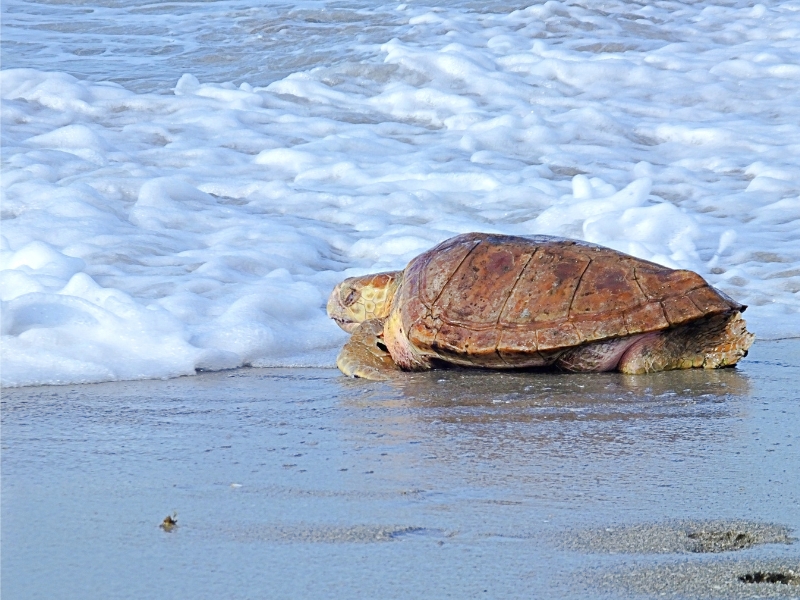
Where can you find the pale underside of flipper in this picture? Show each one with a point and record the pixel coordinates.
(365, 355)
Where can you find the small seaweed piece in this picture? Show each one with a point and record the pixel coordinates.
(170, 522)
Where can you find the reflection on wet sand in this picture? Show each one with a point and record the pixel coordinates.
(475, 398)
(464, 386)
(553, 434)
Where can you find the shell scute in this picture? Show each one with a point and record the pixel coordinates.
(709, 302)
(477, 292)
(435, 268)
(658, 282)
(607, 286)
(511, 345)
(561, 336)
(680, 309)
(517, 358)
(544, 290)
(610, 325)
(644, 318)
(423, 331)
(463, 346)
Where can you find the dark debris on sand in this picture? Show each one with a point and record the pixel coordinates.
(701, 580)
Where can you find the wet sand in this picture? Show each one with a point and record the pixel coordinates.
(299, 483)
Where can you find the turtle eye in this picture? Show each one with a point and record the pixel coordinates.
(351, 297)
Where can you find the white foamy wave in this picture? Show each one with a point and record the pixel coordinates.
(149, 235)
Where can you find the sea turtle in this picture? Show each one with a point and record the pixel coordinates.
(506, 302)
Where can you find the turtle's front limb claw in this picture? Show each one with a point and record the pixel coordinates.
(365, 355)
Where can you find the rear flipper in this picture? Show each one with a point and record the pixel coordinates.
(718, 341)
(365, 355)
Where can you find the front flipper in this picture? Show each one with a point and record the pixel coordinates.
(365, 355)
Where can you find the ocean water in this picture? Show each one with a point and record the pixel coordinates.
(184, 182)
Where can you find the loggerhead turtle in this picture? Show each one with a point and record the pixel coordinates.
(505, 302)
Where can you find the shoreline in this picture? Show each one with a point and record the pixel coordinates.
(332, 367)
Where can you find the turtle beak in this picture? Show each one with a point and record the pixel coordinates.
(348, 326)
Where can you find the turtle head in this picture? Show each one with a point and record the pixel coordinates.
(358, 299)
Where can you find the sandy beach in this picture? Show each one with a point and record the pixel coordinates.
(300, 483)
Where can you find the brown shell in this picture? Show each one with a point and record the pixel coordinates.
(499, 300)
